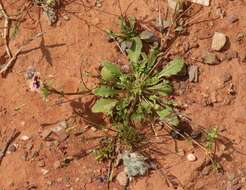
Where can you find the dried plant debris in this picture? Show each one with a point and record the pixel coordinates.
(50, 8)
(135, 164)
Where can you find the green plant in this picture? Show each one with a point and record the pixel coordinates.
(105, 149)
(129, 36)
(212, 135)
(140, 95)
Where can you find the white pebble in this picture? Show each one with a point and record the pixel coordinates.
(191, 157)
(24, 138)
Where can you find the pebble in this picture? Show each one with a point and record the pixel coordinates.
(30, 72)
(12, 148)
(45, 134)
(60, 126)
(232, 19)
(57, 164)
(122, 178)
(226, 77)
(193, 73)
(44, 171)
(24, 138)
(65, 17)
(239, 37)
(206, 170)
(210, 58)
(201, 2)
(191, 157)
(41, 163)
(218, 41)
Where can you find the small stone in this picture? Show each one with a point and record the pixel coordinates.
(41, 163)
(191, 157)
(29, 146)
(225, 77)
(206, 170)
(24, 138)
(210, 58)
(122, 179)
(44, 171)
(30, 72)
(232, 19)
(94, 129)
(65, 17)
(196, 134)
(239, 37)
(45, 134)
(193, 73)
(201, 2)
(60, 126)
(218, 41)
(57, 164)
(49, 183)
(231, 55)
(12, 148)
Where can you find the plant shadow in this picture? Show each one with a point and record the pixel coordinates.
(83, 110)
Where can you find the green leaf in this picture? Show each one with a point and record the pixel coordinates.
(110, 71)
(169, 116)
(135, 52)
(173, 68)
(164, 87)
(104, 91)
(104, 106)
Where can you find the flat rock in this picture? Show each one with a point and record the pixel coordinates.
(218, 41)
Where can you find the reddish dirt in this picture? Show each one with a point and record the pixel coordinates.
(71, 43)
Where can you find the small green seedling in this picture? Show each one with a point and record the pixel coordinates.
(212, 135)
(129, 34)
(105, 149)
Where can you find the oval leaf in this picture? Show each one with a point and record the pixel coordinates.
(136, 49)
(169, 116)
(172, 68)
(104, 91)
(110, 71)
(104, 106)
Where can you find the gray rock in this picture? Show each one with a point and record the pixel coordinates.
(193, 73)
(218, 41)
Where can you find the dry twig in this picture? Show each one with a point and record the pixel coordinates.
(6, 29)
(12, 137)
(10, 63)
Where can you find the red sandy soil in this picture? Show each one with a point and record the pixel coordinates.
(71, 43)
